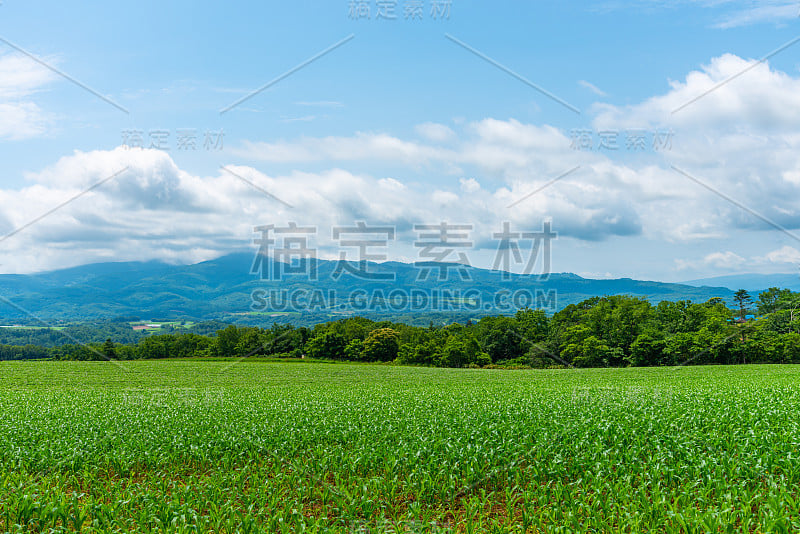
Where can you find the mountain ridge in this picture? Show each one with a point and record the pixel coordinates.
(223, 288)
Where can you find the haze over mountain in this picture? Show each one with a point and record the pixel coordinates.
(752, 282)
(225, 289)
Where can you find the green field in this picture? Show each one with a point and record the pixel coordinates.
(201, 446)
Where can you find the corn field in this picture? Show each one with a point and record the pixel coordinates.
(204, 446)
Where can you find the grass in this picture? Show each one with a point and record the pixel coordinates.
(198, 446)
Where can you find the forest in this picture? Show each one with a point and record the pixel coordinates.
(610, 331)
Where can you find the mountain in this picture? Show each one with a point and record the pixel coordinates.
(754, 283)
(225, 289)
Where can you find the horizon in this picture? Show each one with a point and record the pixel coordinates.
(250, 255)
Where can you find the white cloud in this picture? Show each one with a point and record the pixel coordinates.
(593, 88)
(444, 198)
(305, 118)
(785, 254)
(740, 141)
(156, 210)
(727, 13)
(20, 79)
(754, 98)
(438, 133)
(391, 184)
(765, 11)
(362, 146)
(727, 261)
(469, 185)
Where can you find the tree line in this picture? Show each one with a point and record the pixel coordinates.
(611, 331)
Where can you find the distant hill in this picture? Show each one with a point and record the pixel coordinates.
(223, 289)
(754, 283)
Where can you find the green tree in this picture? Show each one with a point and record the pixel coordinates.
(354, 351)
(790, 345)
(424, 352)
(154, 347)
(647, 350)
(773, 299)
(679, 349)
(590, 352)
(533, 324)
(500, 337)
(743, 300)
(109, 350)
(250, 342)
(381, 345)
(226, 342)
(460, 352)
(327, 345)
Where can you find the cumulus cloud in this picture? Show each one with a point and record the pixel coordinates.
(738, 145)
(469, 185)
(782, 259)
(153, 209)
(728, 94)
(785, 254)
(438, 133)
(734, 146)
(718, 260)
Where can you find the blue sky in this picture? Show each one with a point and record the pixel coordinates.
(401, 125)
